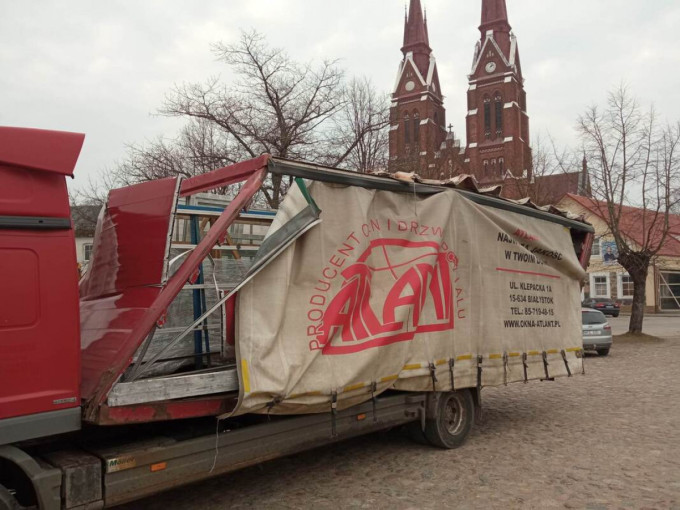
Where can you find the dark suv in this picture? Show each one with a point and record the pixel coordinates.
(605, 305)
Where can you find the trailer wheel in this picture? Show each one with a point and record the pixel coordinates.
(7, 500)
(452, 421)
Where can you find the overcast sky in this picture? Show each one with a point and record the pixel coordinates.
(103, 67)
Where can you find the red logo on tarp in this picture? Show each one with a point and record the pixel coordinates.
(415, 280)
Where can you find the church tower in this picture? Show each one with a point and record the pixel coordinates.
(497, 122)
(417, 115)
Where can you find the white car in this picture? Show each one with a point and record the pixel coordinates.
(597, 333)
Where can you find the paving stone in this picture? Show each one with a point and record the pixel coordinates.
(607, 440)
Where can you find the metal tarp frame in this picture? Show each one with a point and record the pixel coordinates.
(255, 171)
(303, 221)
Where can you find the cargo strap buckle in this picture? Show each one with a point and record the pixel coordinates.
(480, 359)
(452, 362)
(270, 405)
(433, 374)
(374, 388)
(566, 362)
(505, 368)
(334, 414)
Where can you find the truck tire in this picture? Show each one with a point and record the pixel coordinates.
(452, 422)
(603, 352)
(7, 501)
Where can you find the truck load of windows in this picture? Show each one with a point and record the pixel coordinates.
(190, 352)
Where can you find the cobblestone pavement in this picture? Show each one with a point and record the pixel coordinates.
(609, 439)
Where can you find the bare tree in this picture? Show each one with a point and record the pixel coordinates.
(360, 136)
(276, 106)
(631, 155)
(95, 192)
(199, 148)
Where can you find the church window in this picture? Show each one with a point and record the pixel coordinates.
(407, 129)
(501, 162)
(486, 167)
(499, 115)
(416, 127)
(487, 118)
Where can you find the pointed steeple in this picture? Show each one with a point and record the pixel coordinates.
(415, 29)
(416, 40)
(494, 16)
(497, 123)
(417, 115)
(495, 19)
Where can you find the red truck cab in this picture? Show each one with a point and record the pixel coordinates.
(39, 319)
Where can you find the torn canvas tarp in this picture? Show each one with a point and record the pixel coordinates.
(402, 291)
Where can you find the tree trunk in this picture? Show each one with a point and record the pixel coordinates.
(639, 300)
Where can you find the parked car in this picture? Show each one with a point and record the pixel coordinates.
(597, 333)
(605, 305)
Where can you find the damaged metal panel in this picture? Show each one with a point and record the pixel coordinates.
(125, 276)
(123, 302)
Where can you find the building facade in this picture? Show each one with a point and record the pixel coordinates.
(608, 279)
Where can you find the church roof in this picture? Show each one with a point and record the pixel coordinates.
(553, 188)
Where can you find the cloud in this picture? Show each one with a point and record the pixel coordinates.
(103, 68)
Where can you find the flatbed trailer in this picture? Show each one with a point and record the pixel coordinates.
(94, 417)
(91, 470)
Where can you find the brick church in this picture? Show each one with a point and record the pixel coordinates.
(497, 149)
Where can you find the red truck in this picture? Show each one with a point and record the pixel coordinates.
(110, 386)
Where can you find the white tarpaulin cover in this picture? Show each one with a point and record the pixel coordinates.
(416, 293)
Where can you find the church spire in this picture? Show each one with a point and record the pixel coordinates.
(417, 115)
(494, 16)
(415, 29)
(497, 122)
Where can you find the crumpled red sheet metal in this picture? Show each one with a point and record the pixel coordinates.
(127, 289)
(126, 273)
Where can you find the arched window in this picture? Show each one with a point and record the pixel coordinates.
(436, 118)
(486, 167)
(487, 117)
(501, 162)
(498, 100)
(407, 129)
(416, 128)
